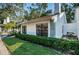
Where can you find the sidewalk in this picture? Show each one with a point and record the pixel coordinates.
(3, 49)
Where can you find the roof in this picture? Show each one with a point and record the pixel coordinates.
(45, 18)
(42, 18)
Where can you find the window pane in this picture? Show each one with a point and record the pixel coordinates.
(42, 29)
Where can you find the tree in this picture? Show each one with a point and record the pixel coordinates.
(75, 5)
(10, 26)
(68, 8)
(10, 9)
(37, 10)
(16, 11)
(41, 7)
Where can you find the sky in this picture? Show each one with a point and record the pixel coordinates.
(50, 6)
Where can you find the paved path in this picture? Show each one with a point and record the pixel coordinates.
(3, 49)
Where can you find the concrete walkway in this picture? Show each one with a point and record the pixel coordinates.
(3, 49)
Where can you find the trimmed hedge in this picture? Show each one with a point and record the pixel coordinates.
(59, 44)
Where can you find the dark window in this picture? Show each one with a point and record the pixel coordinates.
(42, 29)
(24, 29)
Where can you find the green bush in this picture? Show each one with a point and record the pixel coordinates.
(59, 44)
(77, 50)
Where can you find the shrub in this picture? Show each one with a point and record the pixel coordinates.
(77, 50)
(59, 44)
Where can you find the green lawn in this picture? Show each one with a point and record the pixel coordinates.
(20, 47)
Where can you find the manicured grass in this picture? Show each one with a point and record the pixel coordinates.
(20, 47)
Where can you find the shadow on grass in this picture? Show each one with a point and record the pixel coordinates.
(33, 49)
(20, 47)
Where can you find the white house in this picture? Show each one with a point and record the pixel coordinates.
(51, 26)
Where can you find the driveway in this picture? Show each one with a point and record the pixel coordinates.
(3, 49)
(3, 36)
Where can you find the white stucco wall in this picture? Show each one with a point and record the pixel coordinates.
(59, 21)
(73, 27)
(70, 27)
(77, 20)
(52, 28)
(58, 27)
(31, 27)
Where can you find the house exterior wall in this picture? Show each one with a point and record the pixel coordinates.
(58, 28)
(59, 21)
(52, 29)
(77, 20)
(71, 27)
(55, 26)
(31, 27)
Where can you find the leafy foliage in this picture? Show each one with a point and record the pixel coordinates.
(70, 10)
(59, 44)
(17, 11)
(11, 10)
(37, 10)
(10, 25)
